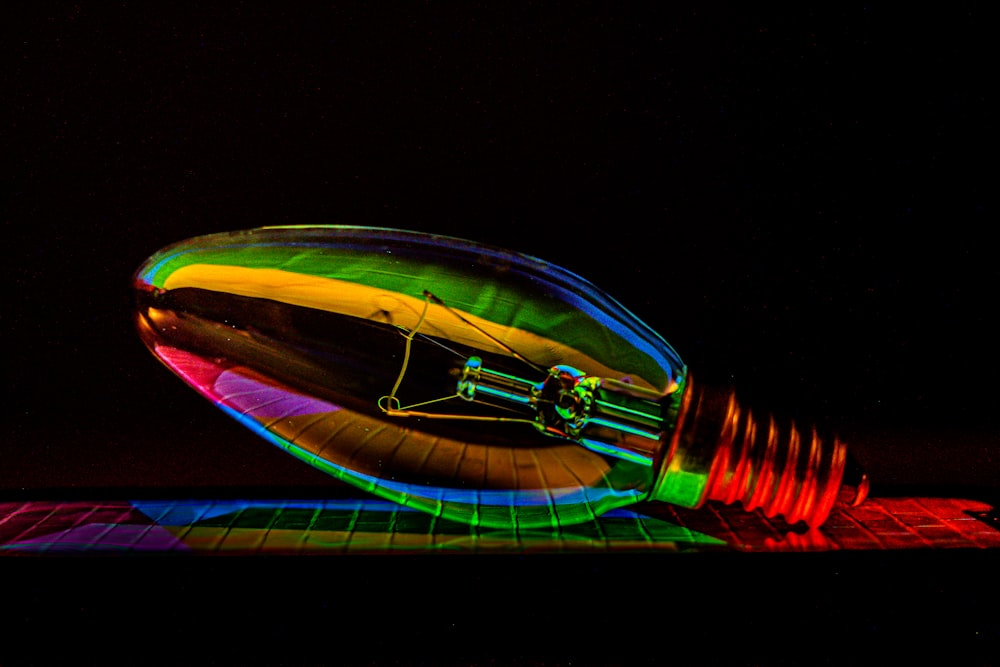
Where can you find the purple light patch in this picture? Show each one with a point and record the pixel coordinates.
(236, 389)
(103, 537)
(265, 401)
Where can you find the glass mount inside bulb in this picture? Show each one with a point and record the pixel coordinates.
(601, 414)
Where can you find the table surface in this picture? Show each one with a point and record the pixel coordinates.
(241, 526)
(362, 581)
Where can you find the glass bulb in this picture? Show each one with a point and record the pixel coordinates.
(471, 382)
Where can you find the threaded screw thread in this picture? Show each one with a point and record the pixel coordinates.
(776, 468)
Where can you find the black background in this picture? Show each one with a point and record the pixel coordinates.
(801, 201)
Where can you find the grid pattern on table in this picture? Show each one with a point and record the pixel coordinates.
(248, 527)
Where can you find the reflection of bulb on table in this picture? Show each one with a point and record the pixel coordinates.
(474, 383)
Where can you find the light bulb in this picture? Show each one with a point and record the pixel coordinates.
(471, 382)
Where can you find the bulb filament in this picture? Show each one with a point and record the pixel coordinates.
(599, 413)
